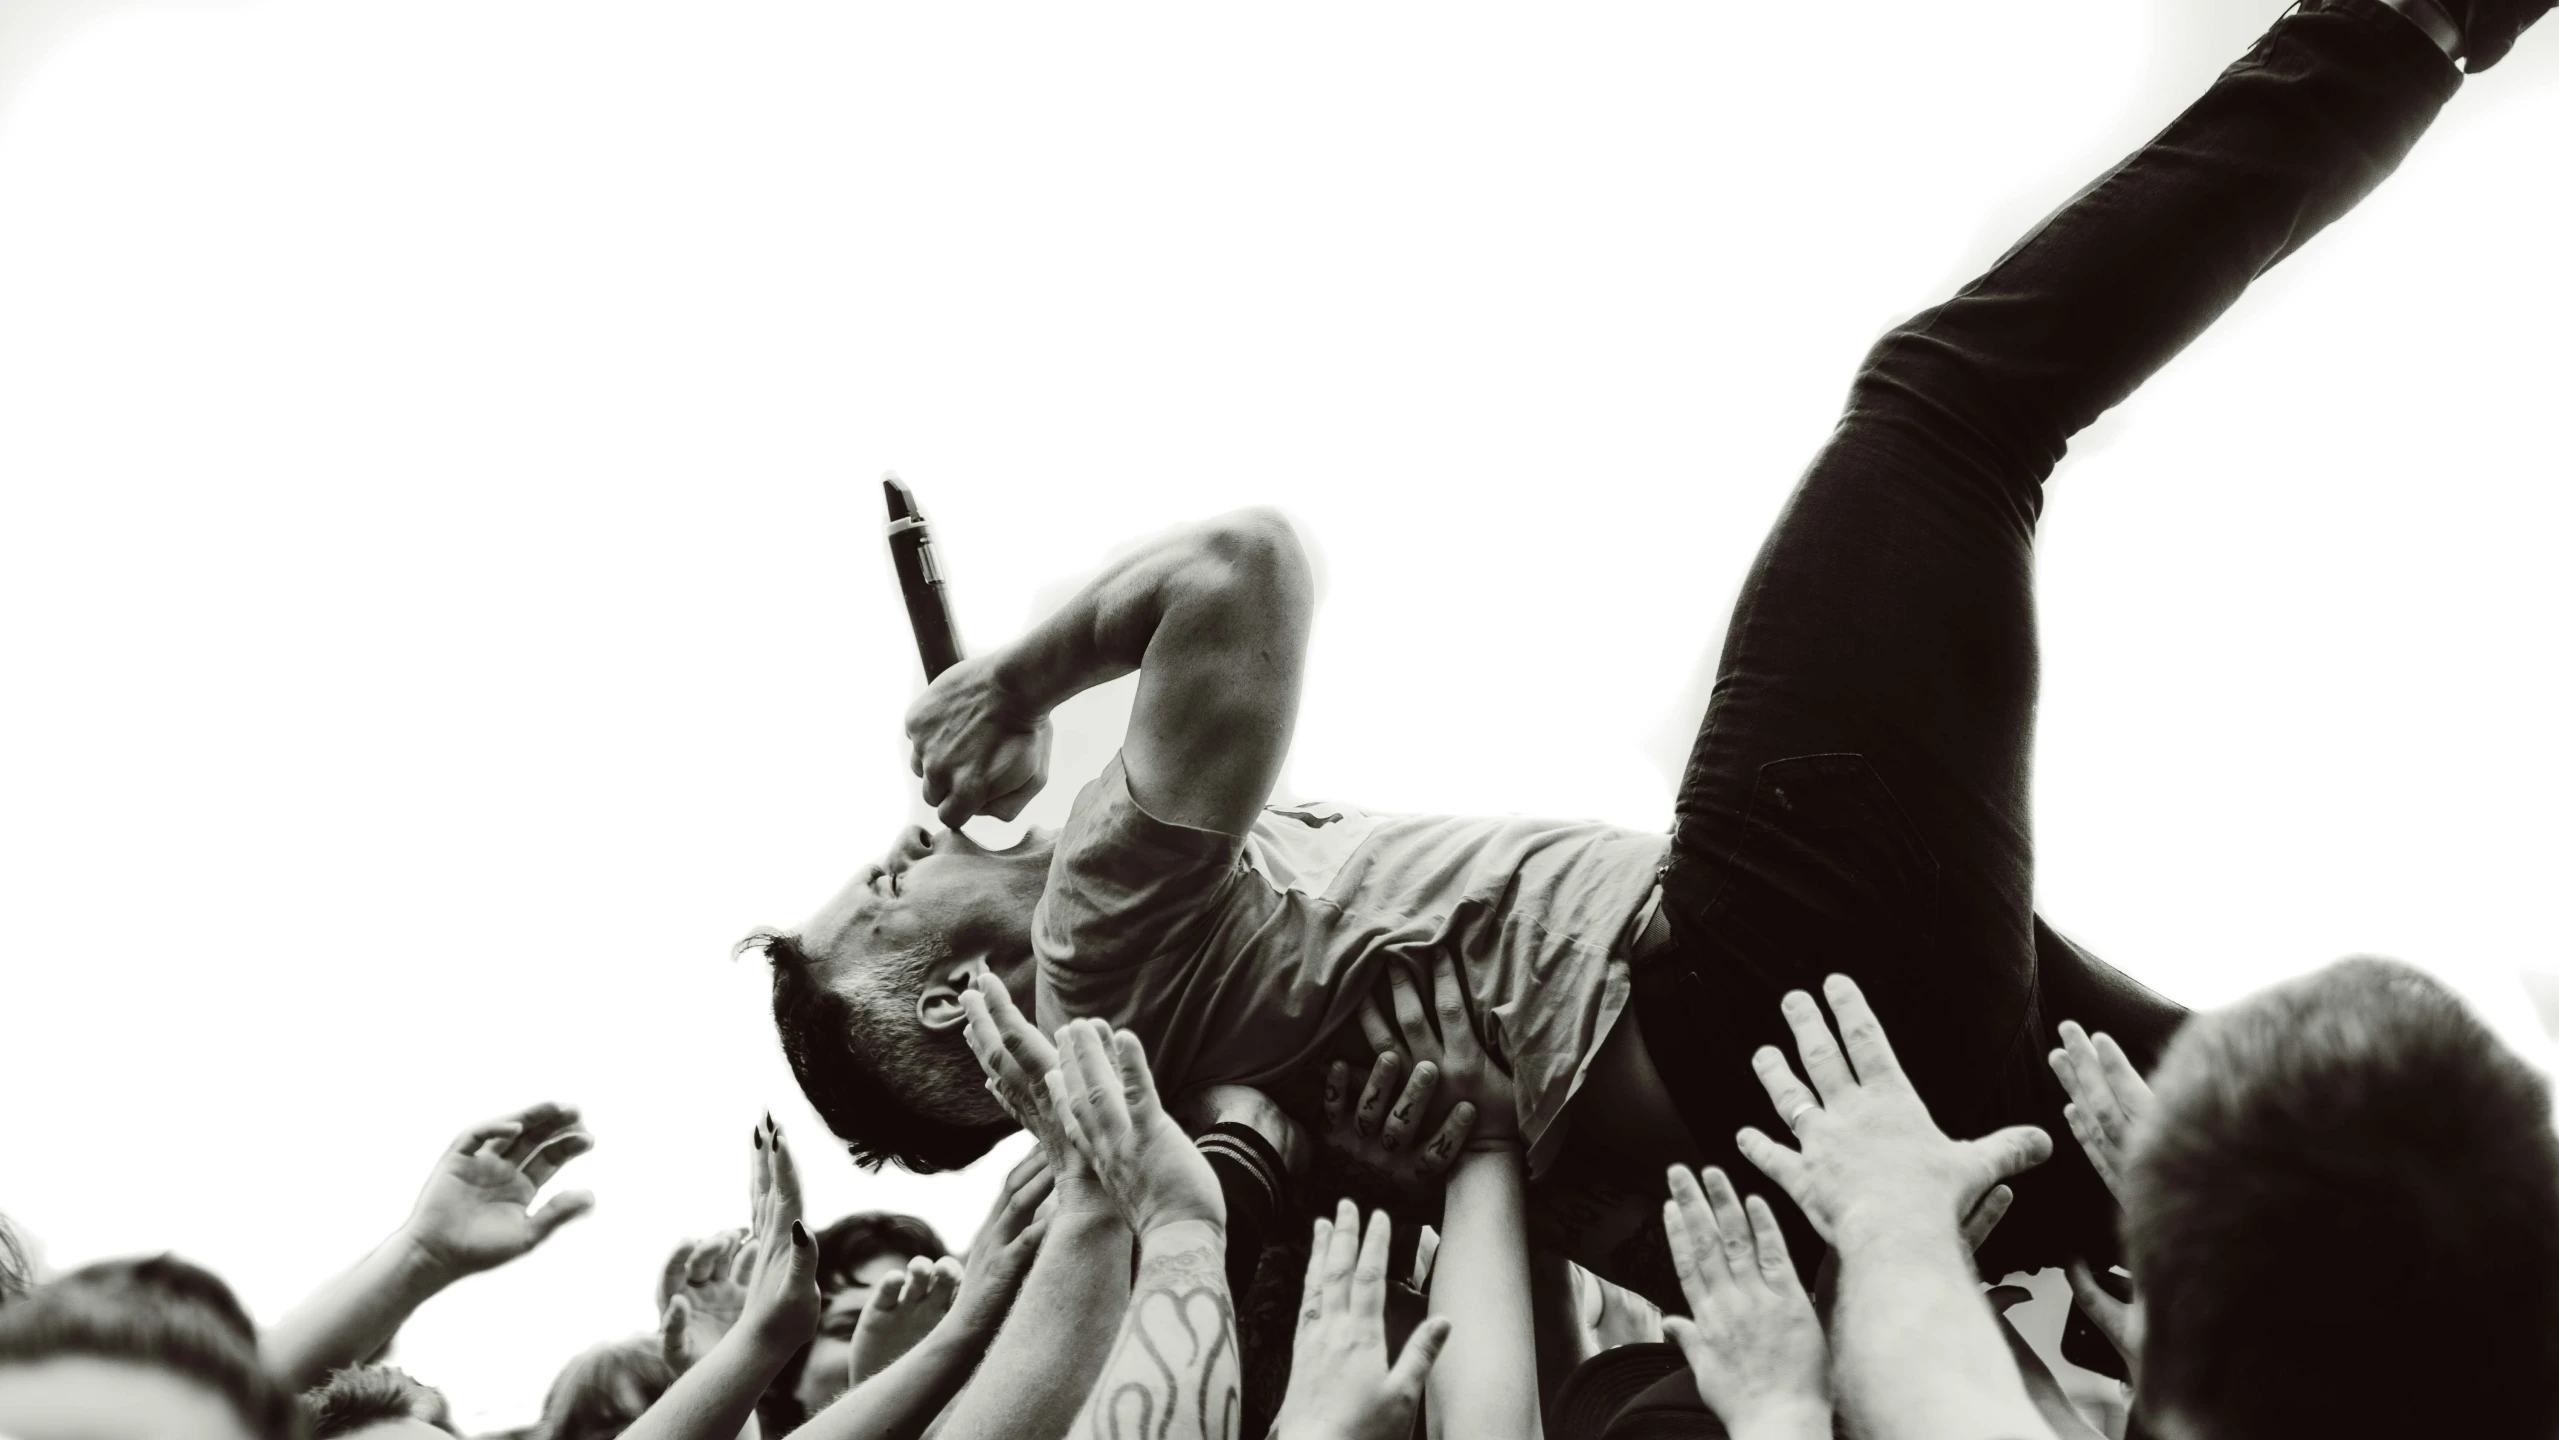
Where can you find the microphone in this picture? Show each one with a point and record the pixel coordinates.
(928, 603)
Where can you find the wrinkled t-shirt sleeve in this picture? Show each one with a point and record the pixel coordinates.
(1125, 887)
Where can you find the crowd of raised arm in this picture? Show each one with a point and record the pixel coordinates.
(1099, 1299)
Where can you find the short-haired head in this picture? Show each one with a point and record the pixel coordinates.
(108, 1339)
(2343, 1219)
(378, 1401)
(866, 996)
(597, 1395)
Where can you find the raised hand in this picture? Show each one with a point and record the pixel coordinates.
(1870, 1153)
(1377, 1138)
(763, 1278)
(1440, 1033)
(1150, 1169)
(1017, 1059)
(1752, 1340)
(1005, 1246)
(472, 1214)
(902, 1310)
(1340, 1386)
(2108, 1099)
(710, 1294)
(980, 749)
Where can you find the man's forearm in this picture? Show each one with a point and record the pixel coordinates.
(1920, 1355)
(716, 1397)
(1174, 1360)
(1105, 630)
(1044, 1359)
(350, 1317)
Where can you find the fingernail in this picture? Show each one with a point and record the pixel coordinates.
(757, 1136)
(799, 1233)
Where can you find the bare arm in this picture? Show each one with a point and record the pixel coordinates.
(472, 1214)
(1213, 618)
(1919, 1354)
(715, 1397)
(1486, 1380)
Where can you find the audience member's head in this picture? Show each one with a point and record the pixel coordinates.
(890, 1086)
(598, 1394)
(854, 1255)
(377, 1402)
(2344, 1219)
(136, 1348)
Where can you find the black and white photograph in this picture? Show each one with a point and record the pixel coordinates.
(1336, 722)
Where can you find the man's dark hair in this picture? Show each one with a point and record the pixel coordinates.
(844, 1247)
(2343, 1218)
(822, 1034)
(163, 1313)
(364, 1395)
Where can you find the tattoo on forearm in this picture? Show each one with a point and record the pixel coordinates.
(1173, 1375)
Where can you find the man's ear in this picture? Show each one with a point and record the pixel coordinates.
(937, 1005)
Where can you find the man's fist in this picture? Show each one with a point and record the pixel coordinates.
(979, 749)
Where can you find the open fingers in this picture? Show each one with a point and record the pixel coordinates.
(1376, 1028)
(1410, 1106)
(2131, 1091)
(1705, 1238)
(1792, 1101)
(1868, 1049)
(1824, 1065)
(1782, 1165)
(2091, 1093)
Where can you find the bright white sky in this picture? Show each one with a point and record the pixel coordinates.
(445, 603)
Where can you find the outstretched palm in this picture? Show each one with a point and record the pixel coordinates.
(474, 1212)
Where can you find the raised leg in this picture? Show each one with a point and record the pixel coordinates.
(1857, 800)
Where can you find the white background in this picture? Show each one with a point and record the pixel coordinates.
(444, 605)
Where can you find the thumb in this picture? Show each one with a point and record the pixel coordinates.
(2011, 1151)
(1421, 1352)
(671, 1327)
(564, 1207)
(1682, 1332)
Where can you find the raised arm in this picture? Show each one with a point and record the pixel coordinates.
(777, 1266)
(474, 1213)
(1486, 1381)
(1173, 1372)
(1920, 1356)
(1213, 618)
(1043, 1359)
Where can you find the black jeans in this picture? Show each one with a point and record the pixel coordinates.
(1857, 798)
